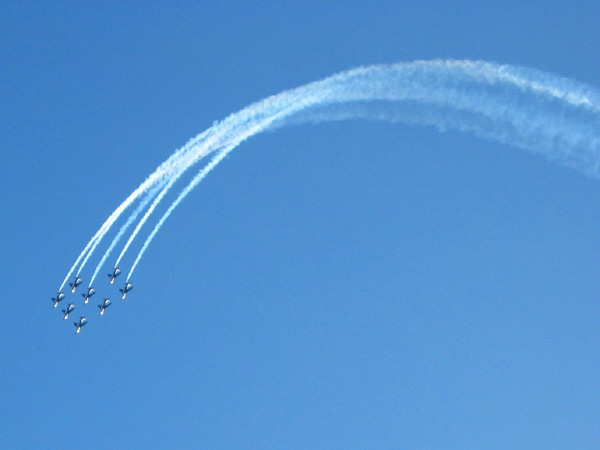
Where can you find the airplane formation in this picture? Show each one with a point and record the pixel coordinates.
(91, 291)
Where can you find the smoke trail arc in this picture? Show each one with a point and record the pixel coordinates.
(147, 184)
(542, 113)
(539, 112)
(160, 176)
(149, 196)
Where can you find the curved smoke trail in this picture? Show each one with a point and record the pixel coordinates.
(526, 108)
(152, 179)
(216, 160)
(174, 177)
(151, 194)
(161, 174)
(539, 112)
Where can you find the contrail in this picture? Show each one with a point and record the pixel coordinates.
(526, 108)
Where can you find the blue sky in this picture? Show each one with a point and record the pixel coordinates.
(344, 285)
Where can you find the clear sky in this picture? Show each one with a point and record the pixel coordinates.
(343, 285)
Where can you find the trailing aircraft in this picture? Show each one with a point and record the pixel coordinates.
(105, 304)
(114, 275)
(82, 322)
(70, 307)
(91, 291)
(58, 298)
(125, 290)
(75, 283)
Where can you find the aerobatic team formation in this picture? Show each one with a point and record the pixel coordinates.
(546, 114)
(86, 297)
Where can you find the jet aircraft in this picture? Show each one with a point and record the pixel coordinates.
(75, 283)
(58, 298)
(70, 307)
(82, 322)
(125, 290)
(114, 275)
(91, 291)
(105, 304)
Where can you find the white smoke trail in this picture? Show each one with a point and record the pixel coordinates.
(216, 160)
(526, 108)
(174, 177)
(240, 137)
(206, 141)
(146, 215)
(149, 196)
(162, 171)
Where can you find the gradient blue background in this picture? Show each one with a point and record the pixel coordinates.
(350, 285)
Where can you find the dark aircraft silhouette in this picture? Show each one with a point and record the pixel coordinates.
(82, 322)
(58, 298)
(114, 275)
(105, 304)
(125, 290)
(70, 307)
(91, 291)
(75, 283)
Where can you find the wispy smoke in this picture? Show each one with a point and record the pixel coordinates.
(539, 112)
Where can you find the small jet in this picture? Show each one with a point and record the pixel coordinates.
(58, 298)
(125, 290)
(114, 275)
(91, 291)
(105, 304)
(70, 307)
(75, 283)
(82, 322)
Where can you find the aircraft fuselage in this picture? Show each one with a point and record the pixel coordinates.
(70, 307)
(104, 305)
(125, 290)
(114, 275)
(75, 283)
(91, 291)
(81, 323)
(58, 298)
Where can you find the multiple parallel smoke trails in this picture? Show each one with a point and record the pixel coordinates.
(141, 207)
(539, 112)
